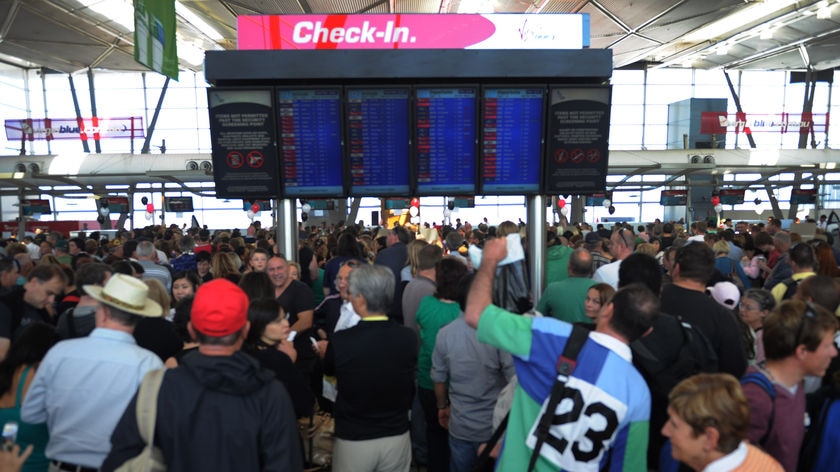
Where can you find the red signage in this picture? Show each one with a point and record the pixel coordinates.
(716, 122)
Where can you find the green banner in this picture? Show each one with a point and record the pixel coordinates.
(154, 36)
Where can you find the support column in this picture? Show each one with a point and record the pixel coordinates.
(287, 234)
(536, 244)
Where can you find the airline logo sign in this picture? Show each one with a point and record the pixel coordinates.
(414, 31)
(29, 129)
(714, 122)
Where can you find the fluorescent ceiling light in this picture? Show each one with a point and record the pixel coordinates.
(118, 11)
(737, 20)
(196, 21)
(824, 10)
(475, 6)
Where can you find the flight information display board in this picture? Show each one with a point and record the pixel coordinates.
(511, 140)
(378, 142)
(309, 140)
(445, 140)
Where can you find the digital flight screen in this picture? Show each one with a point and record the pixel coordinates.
(309, 141)
(378, 142)
(511, 140)
(445, 140)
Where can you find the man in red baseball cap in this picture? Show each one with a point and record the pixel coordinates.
(222, 394)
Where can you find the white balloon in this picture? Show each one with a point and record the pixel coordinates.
(105, 211)
(250, 214)
(306, 208)
(564, 211)
(447, 212)
(413, 211)
(149, 215)
(607, 203)
(718, 208)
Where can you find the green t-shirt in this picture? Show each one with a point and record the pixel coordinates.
(565, 300)
(432, 315)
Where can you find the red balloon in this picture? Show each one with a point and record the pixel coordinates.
(150, 207)
(415, 202)
(255, 207)
(561, 203)
(715, 200)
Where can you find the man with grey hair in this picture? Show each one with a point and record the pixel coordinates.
(374, 364)
(147, 257)
(565, 299)
(185, 261)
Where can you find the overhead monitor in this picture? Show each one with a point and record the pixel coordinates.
(445, 139)
(178, 204)
(117, 205)
(731, 196)
(511, 139)
(32, 207)
(309, 140)
(801, 196)
(377, 120)
(673, 197)
(596, 199)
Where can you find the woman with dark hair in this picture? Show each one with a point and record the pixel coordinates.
(268, 343)
(348, 248)
(16, 373)
(257, 285)
(184, 284)
(597, 296)
(435, 312)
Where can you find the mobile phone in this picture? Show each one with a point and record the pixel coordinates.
(314, 342)
(292, 335)
(10, 431)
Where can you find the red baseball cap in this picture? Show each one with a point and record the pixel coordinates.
(220, 308)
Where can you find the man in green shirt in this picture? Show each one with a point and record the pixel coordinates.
(564, 299)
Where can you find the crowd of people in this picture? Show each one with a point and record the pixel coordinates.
(704, 348)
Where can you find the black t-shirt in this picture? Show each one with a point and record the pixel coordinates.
(159, 336)
(305, 256)
(296, 298)
(15, 313)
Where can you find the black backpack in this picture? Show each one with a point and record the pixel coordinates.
(790, 287)
(696, 355)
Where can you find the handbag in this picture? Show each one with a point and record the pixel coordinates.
(151, 458)
(317, 432)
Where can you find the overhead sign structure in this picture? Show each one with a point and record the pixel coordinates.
(243, 135)
(31, 129)
(578, 131)
(154, 36)
(414, 31)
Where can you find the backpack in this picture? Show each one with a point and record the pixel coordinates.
(819, 446)
(762, 381)
(790, 287)
(696, 355)
(151, 458)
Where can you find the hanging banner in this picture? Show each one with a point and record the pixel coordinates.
(577, 141)
(31, 129)
(414, 31)
(154, 36)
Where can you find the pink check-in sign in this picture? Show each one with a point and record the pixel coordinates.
(414, 31)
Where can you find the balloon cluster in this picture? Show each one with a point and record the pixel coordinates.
(150, 208)
(253, 211)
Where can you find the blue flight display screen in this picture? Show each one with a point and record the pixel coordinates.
(309, 140)
(378, 141)
(446, 122)
(511, 140)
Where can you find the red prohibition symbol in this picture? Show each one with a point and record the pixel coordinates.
(235, 159)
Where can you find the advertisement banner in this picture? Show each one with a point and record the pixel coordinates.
(414, 31)
(154, 36)
(31, 129)
(577, 144)
(717, 122)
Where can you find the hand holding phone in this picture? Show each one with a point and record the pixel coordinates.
(292, 335)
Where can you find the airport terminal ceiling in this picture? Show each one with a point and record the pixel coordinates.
(70, 36)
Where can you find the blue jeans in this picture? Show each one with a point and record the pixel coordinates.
(462, 454)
